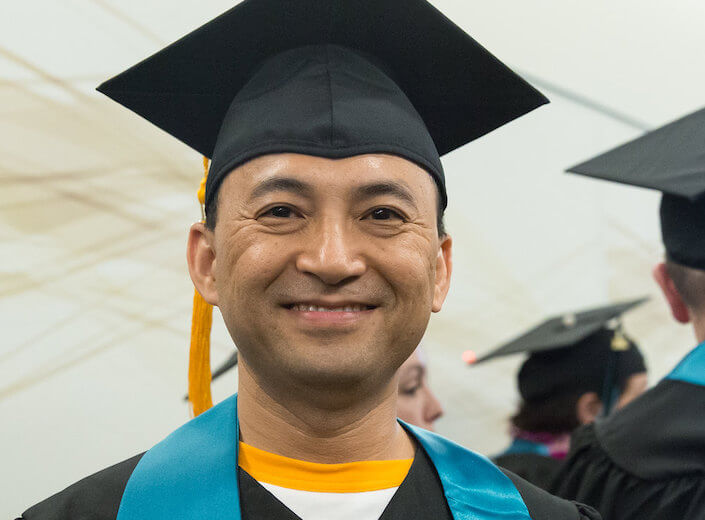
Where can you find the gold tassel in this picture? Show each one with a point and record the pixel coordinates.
(619, 341)
(199, 368)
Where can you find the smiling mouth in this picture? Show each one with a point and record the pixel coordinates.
(305, 307)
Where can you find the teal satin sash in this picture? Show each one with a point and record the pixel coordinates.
(692, 368)
(192, 475)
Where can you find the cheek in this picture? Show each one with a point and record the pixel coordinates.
(409, 266)
(248, 263)
(409, 408)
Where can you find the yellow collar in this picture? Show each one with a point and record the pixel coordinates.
(349, 477)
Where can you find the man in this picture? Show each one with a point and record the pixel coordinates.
(324, 250)
(647, 461)
(417, 404)
(579, 366)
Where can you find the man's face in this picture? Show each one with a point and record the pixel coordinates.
(326, 271)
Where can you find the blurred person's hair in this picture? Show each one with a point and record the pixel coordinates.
(556, 414)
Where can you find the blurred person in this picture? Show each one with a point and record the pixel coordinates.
(323, 247)
(417, 404)
(580, 366)
(647, 461)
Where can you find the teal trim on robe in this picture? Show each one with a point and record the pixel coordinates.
(526, 446)
(192, 475)
(692, 368)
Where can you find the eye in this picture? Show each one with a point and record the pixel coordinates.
(384, 214)
(279, 212)
(410, 391)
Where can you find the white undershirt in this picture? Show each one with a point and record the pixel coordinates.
(312, 505)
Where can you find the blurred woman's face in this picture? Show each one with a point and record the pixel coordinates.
(416, 404)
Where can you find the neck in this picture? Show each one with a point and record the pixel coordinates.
(296, 427)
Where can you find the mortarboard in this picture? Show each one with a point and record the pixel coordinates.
(331, 78)
(670, 159)
(334, 78)
(575, 352)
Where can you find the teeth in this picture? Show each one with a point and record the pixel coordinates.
(317, 308)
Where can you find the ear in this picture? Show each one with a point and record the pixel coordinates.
(444, 268)
(201, 262)
(678, 307)
(588, 407)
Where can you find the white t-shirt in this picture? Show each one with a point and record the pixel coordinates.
(313, 491)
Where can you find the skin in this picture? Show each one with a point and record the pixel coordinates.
(293, 231)
(680, 311)
(417, 404)
(635, 386)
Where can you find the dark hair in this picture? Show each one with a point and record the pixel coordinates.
(212, 214)
(690, 284)
(556, 414)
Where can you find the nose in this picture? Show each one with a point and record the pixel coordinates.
(433, 409)
(331, 254)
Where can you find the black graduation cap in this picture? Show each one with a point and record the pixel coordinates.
(575, 352)
(562, 331)
(331, 78)
(670, 159)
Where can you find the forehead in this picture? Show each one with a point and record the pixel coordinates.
(413, 363)
(327, 176)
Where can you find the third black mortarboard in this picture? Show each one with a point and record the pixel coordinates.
(562, 331)
(575, 353)
(670, 159)
(333, 78)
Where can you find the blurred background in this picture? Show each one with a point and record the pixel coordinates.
(95, 204)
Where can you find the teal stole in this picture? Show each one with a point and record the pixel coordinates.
(692, 368)
(192, 475)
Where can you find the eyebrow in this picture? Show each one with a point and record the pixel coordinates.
(393, 188)
(281, 184)
(418, 371)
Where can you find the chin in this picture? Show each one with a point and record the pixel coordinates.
(338, 375)
(330, 374)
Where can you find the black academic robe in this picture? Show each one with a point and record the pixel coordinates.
(646, 461)
(193, 474)
(538, 469)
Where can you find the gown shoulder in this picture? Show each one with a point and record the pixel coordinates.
(537, 469)
(545, 506)
(96, 497)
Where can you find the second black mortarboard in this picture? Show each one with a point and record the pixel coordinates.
(332, 78)
(670, 159)
(575, 353)
(562, 331)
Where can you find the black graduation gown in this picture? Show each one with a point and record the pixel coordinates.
(538, 469)
(646, 461)
(192, 474)
(420, 497)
